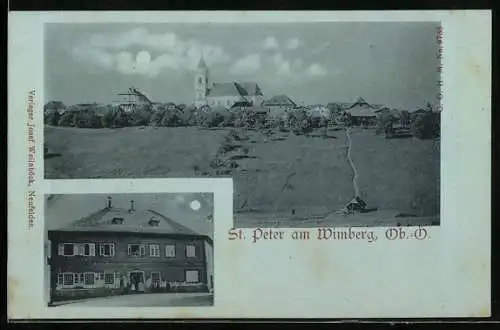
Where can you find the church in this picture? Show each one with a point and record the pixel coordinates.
(225, 94)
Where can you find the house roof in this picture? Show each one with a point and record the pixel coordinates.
(137, 221)
(241, 104)
(252, 88)
(280, 100)
(227, 89)
(361, 111)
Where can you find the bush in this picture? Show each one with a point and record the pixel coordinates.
(68, 119)
(211, 119)
(88, 120)
(172, 119)
(426, 125)
(52, 118)
(140, 116)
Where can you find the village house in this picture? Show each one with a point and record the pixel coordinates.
(362, 113)
(319, 111)
(119, 251)
(132, 99)
(279, 105)
(224, 94)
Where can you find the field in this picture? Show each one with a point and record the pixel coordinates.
(282, 178)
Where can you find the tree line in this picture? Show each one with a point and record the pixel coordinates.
(424, 124)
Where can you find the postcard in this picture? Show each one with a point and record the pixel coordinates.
(249, 164)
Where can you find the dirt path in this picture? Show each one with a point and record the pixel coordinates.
(355, 171)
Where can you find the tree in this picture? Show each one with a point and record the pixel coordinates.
(172, 118)
(53, 105)
(385, 123)
(140, 116)
(405, 118)
(67, 119)
(426, 125)
(51, 117)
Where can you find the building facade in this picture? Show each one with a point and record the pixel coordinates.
(117, 251)
(132, 100)
(224, 94)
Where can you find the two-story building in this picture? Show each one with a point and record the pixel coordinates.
(119, 251)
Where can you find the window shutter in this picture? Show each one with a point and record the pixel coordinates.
(112, 247)
(60, 249)
(101, 249)
(92, 249)
(129, 250)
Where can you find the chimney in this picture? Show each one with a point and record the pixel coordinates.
(132, 209)
(109, 202)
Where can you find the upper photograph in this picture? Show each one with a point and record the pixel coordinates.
(319, 123)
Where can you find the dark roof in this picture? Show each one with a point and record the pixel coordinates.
(361, 111)
(241, 104)
(133, 221)
(227, 89)
(252, 88)
(280, 100)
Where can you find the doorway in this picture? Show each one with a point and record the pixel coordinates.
(136, 281)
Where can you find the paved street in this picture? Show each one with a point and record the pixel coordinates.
(144, 300)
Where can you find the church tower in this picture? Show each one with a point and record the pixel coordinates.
(201, 83)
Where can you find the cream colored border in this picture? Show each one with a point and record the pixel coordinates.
(447, 275)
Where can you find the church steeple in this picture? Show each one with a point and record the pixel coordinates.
(201, 83)
(202, 64)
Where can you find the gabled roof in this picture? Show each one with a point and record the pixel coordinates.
(137, 221)
(227, 89)
(361, 111)
(252, 88)
(244, 103)
(360, 102)
(280, 100)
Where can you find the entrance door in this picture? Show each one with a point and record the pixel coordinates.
(137, 281)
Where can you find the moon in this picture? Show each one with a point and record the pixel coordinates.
(143, 57)
(195, 205)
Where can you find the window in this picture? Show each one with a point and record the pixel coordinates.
(80, 249)
(107, 250)
(117, 221)
(170, 251)
(109, 278)
(200, 80)
(69, 249)
(154, 222)
(136, 250)
(85, 249)
(192, 276)
(154, 250)
(88, 279)
(60, 279)
(190, 251)
(68, 279)
(155, 276)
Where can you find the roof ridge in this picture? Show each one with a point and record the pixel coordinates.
(175, 224)
(93, 216)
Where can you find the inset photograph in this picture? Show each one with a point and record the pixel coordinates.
(134, 250)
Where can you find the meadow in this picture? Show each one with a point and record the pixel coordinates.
(278, 176)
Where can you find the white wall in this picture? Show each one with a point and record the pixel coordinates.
(209, 255)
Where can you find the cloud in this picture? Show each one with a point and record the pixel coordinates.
(271, 43)
(316, 70)
(113, 51)
(246, 65)
(321, 47)
(294, 43)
